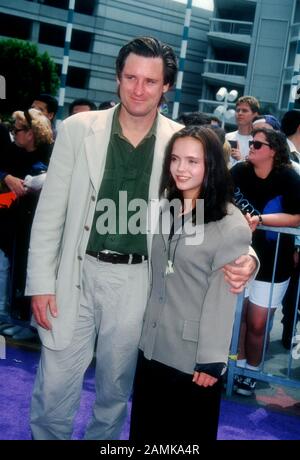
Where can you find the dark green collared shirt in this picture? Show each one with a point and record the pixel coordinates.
(127, 170)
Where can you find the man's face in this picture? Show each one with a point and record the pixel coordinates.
(244, 115)
(141, 85)
(42, 107)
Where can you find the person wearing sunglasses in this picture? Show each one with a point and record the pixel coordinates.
(268, 191)
(289, 126)
(21, 165)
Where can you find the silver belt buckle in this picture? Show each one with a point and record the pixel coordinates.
(105, 251)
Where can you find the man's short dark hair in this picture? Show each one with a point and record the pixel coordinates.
(50, 101)
(215, 119)
(193, 118)
(82, 101)
(149, 47)
(290, 122)
(106, 105)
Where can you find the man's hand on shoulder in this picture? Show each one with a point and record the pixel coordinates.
(40, 305)
(238, 273)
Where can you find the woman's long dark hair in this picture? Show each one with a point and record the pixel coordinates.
(216, 189)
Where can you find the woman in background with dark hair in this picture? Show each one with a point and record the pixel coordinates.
(188, 321)
(268, 190)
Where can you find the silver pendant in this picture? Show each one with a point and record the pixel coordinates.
(169, 267)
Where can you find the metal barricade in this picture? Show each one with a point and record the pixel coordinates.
(263, 374)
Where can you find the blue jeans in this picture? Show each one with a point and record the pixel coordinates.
(4, 286)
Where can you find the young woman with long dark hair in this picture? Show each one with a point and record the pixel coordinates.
(188, 321)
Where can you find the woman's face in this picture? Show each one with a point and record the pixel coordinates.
(22, 135)
(188, 166)
(260, 152)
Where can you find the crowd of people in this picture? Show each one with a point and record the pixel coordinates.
(146, 284)
(26, 146)
(23, 164)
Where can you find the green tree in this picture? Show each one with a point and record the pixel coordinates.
(27, 73)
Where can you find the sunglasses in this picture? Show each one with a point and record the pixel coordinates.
(257, 144)
(28, 117)
(17, 130)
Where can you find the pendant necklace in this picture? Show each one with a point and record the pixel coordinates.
(170, 263)
(169, 267)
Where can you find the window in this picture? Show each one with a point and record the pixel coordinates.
(52, 35)
(285, 97)
(81, 41)
(297, 12)
(292, 54)
(81, 6)
(12, 26)
(85, 6)
(77, 77)
(64, 4)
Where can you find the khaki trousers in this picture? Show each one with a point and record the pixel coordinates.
(113, 300)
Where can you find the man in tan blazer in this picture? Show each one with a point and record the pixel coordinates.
(90, 285)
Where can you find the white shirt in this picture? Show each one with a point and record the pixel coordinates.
(293, 148)
(243, 141)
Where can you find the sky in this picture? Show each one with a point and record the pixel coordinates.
(205, 4)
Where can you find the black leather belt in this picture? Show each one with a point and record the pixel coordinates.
(114, 258)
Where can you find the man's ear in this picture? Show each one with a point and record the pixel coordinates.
(51, 115)
(166, 88)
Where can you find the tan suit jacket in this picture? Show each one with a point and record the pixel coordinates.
(190, 312)
(65, 211)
